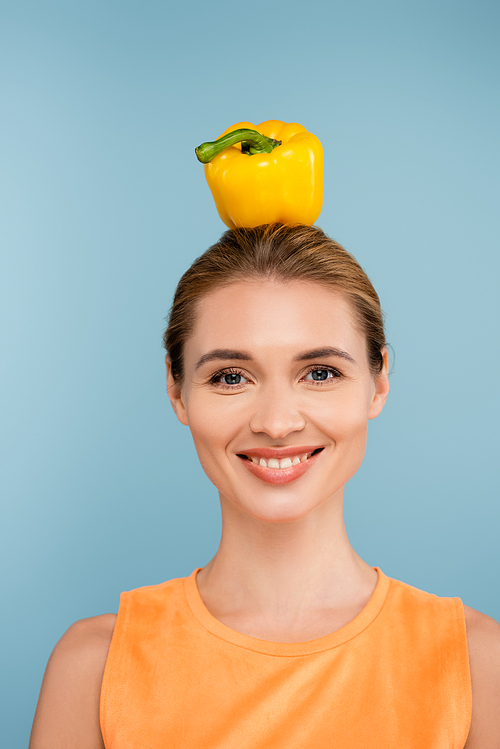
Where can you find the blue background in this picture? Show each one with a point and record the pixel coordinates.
(103, 206)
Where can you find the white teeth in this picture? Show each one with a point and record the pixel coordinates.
(280, 463)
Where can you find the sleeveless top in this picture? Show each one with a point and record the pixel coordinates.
(396, 677)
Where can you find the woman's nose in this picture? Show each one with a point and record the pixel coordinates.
(277, 415)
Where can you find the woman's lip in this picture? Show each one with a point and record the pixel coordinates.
(279, 475)
(279, 452)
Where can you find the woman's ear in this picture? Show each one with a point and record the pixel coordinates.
(174, 392)
(381, 387)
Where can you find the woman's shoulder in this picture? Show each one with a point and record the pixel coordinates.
(84, 646)
(88, 634)
(67, 713)
(483, 638)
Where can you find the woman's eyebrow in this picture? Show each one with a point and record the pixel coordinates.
(219, 354)
(323, 353)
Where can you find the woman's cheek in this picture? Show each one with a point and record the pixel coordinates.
(211, 430)
(341, 419)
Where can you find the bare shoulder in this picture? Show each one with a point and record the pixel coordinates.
(86, 638)
(483, 637)
(67, 713)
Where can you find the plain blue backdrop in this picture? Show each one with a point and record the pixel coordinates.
(103, 206)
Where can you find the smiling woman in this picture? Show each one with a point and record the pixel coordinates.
(282, 402)
(276, 361)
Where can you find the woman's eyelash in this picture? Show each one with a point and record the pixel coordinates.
(215, 378)
(332, 370)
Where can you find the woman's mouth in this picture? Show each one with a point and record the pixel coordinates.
(280, 469)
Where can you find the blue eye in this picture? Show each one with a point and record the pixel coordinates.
(320, 374)
(233, 378)
(228, 379)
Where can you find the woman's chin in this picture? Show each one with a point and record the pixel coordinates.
(285, 509)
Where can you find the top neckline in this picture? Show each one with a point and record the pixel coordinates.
(342, 635)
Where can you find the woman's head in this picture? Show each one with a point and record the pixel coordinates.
(280, 253)
(278, 356)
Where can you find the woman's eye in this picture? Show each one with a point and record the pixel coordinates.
(318, 375)
(228, 379)
(232, 379)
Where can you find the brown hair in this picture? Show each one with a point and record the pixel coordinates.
(281, 252)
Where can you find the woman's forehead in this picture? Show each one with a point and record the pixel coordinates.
(267, 313)
(260, 297)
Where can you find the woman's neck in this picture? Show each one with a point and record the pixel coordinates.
(286, 581)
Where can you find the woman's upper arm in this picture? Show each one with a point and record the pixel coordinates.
(483, 635)
(67, 714)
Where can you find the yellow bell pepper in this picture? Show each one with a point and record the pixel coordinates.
(272, 172)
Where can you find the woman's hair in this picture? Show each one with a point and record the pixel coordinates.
(276, 252)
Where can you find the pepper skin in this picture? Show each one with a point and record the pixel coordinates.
(285, 185)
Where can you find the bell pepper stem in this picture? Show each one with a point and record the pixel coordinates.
(251, 141)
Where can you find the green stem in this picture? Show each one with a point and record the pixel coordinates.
(251, 141)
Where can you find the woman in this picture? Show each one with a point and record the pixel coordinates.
(276, 360)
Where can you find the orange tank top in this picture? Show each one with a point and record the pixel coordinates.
(395, 677)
